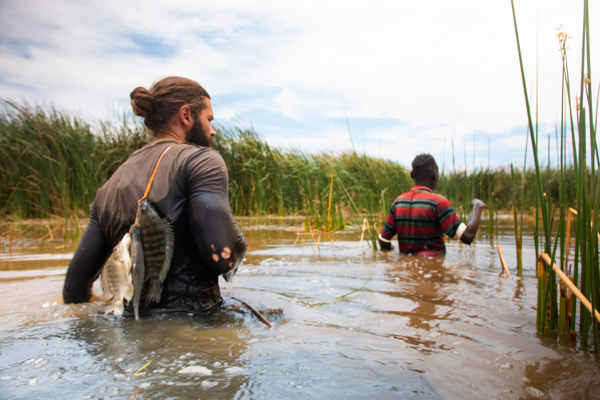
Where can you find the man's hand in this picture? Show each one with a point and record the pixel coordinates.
(476, 203)
(385, 246)
(478, 206)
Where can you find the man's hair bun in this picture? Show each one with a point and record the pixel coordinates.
(164, 99)
(142, 102)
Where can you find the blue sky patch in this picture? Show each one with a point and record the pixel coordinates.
(150, 47)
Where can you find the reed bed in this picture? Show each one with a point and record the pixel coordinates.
(270, 181)
(52, 164)
(503, 188)
(557, 309)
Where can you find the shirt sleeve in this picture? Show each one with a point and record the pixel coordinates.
(447, 217)
(389, 228)
(87, 262)
(215, 231)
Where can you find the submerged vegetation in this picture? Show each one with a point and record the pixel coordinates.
(557, 308)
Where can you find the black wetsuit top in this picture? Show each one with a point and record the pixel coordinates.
(190, 189)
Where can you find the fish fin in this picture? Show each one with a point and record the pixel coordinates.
(139, 268)
(116, 308)
(106, 292)
(128, 292)
(124, 252)
(229, 275)
(169, 248)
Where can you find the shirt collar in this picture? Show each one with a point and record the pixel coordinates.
(421, 188)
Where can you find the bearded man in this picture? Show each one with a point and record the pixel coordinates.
(190, 189)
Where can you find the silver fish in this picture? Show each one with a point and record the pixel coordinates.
(158, 239)
(116, 277)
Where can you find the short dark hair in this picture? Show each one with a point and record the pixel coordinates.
(164, 99)
(423, 165)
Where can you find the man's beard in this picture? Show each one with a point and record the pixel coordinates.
(198, 136)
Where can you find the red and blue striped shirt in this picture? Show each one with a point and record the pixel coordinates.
(420, 218)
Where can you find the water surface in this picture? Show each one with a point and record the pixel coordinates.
(420, 327)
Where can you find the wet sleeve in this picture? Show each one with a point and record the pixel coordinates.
(87, 262)
(389, 228)
(447, 217)
(215, 231)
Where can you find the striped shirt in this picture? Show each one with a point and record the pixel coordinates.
(420, 218)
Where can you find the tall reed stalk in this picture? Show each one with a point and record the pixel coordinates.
(587, 196)
(518, 227)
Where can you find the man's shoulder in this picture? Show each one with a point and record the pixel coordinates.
(195, 153)
(184, 152)
(415, 195)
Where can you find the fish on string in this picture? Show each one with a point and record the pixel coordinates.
(153, 241)
(116, 277)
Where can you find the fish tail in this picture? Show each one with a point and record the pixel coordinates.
(154, 291)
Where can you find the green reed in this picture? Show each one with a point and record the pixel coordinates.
(518, 227)
(271, 181)
(585, 193)
(51, 163)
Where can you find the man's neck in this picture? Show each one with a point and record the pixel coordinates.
(179, 136)
(428, 185)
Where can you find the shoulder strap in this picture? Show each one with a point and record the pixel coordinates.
(154, 173)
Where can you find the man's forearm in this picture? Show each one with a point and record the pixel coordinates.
(86, 264)
(217, 236)
(473, 225)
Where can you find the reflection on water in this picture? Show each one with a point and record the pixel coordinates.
(426, 327)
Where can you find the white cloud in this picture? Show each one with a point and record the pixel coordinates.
(433, 67)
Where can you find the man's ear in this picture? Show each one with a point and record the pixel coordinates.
(185, 116)
(412, 175)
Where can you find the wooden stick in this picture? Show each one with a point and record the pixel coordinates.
(50, 232)
(570, 284)
(363, 233)
(259, 315)
(315, 240)
(133, 395)
(503, 262)
(568, 239)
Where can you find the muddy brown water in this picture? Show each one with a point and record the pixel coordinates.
(421, 327)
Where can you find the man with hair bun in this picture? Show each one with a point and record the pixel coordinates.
(190, 189)
(420, 217)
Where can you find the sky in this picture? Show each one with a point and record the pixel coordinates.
(392, 79)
